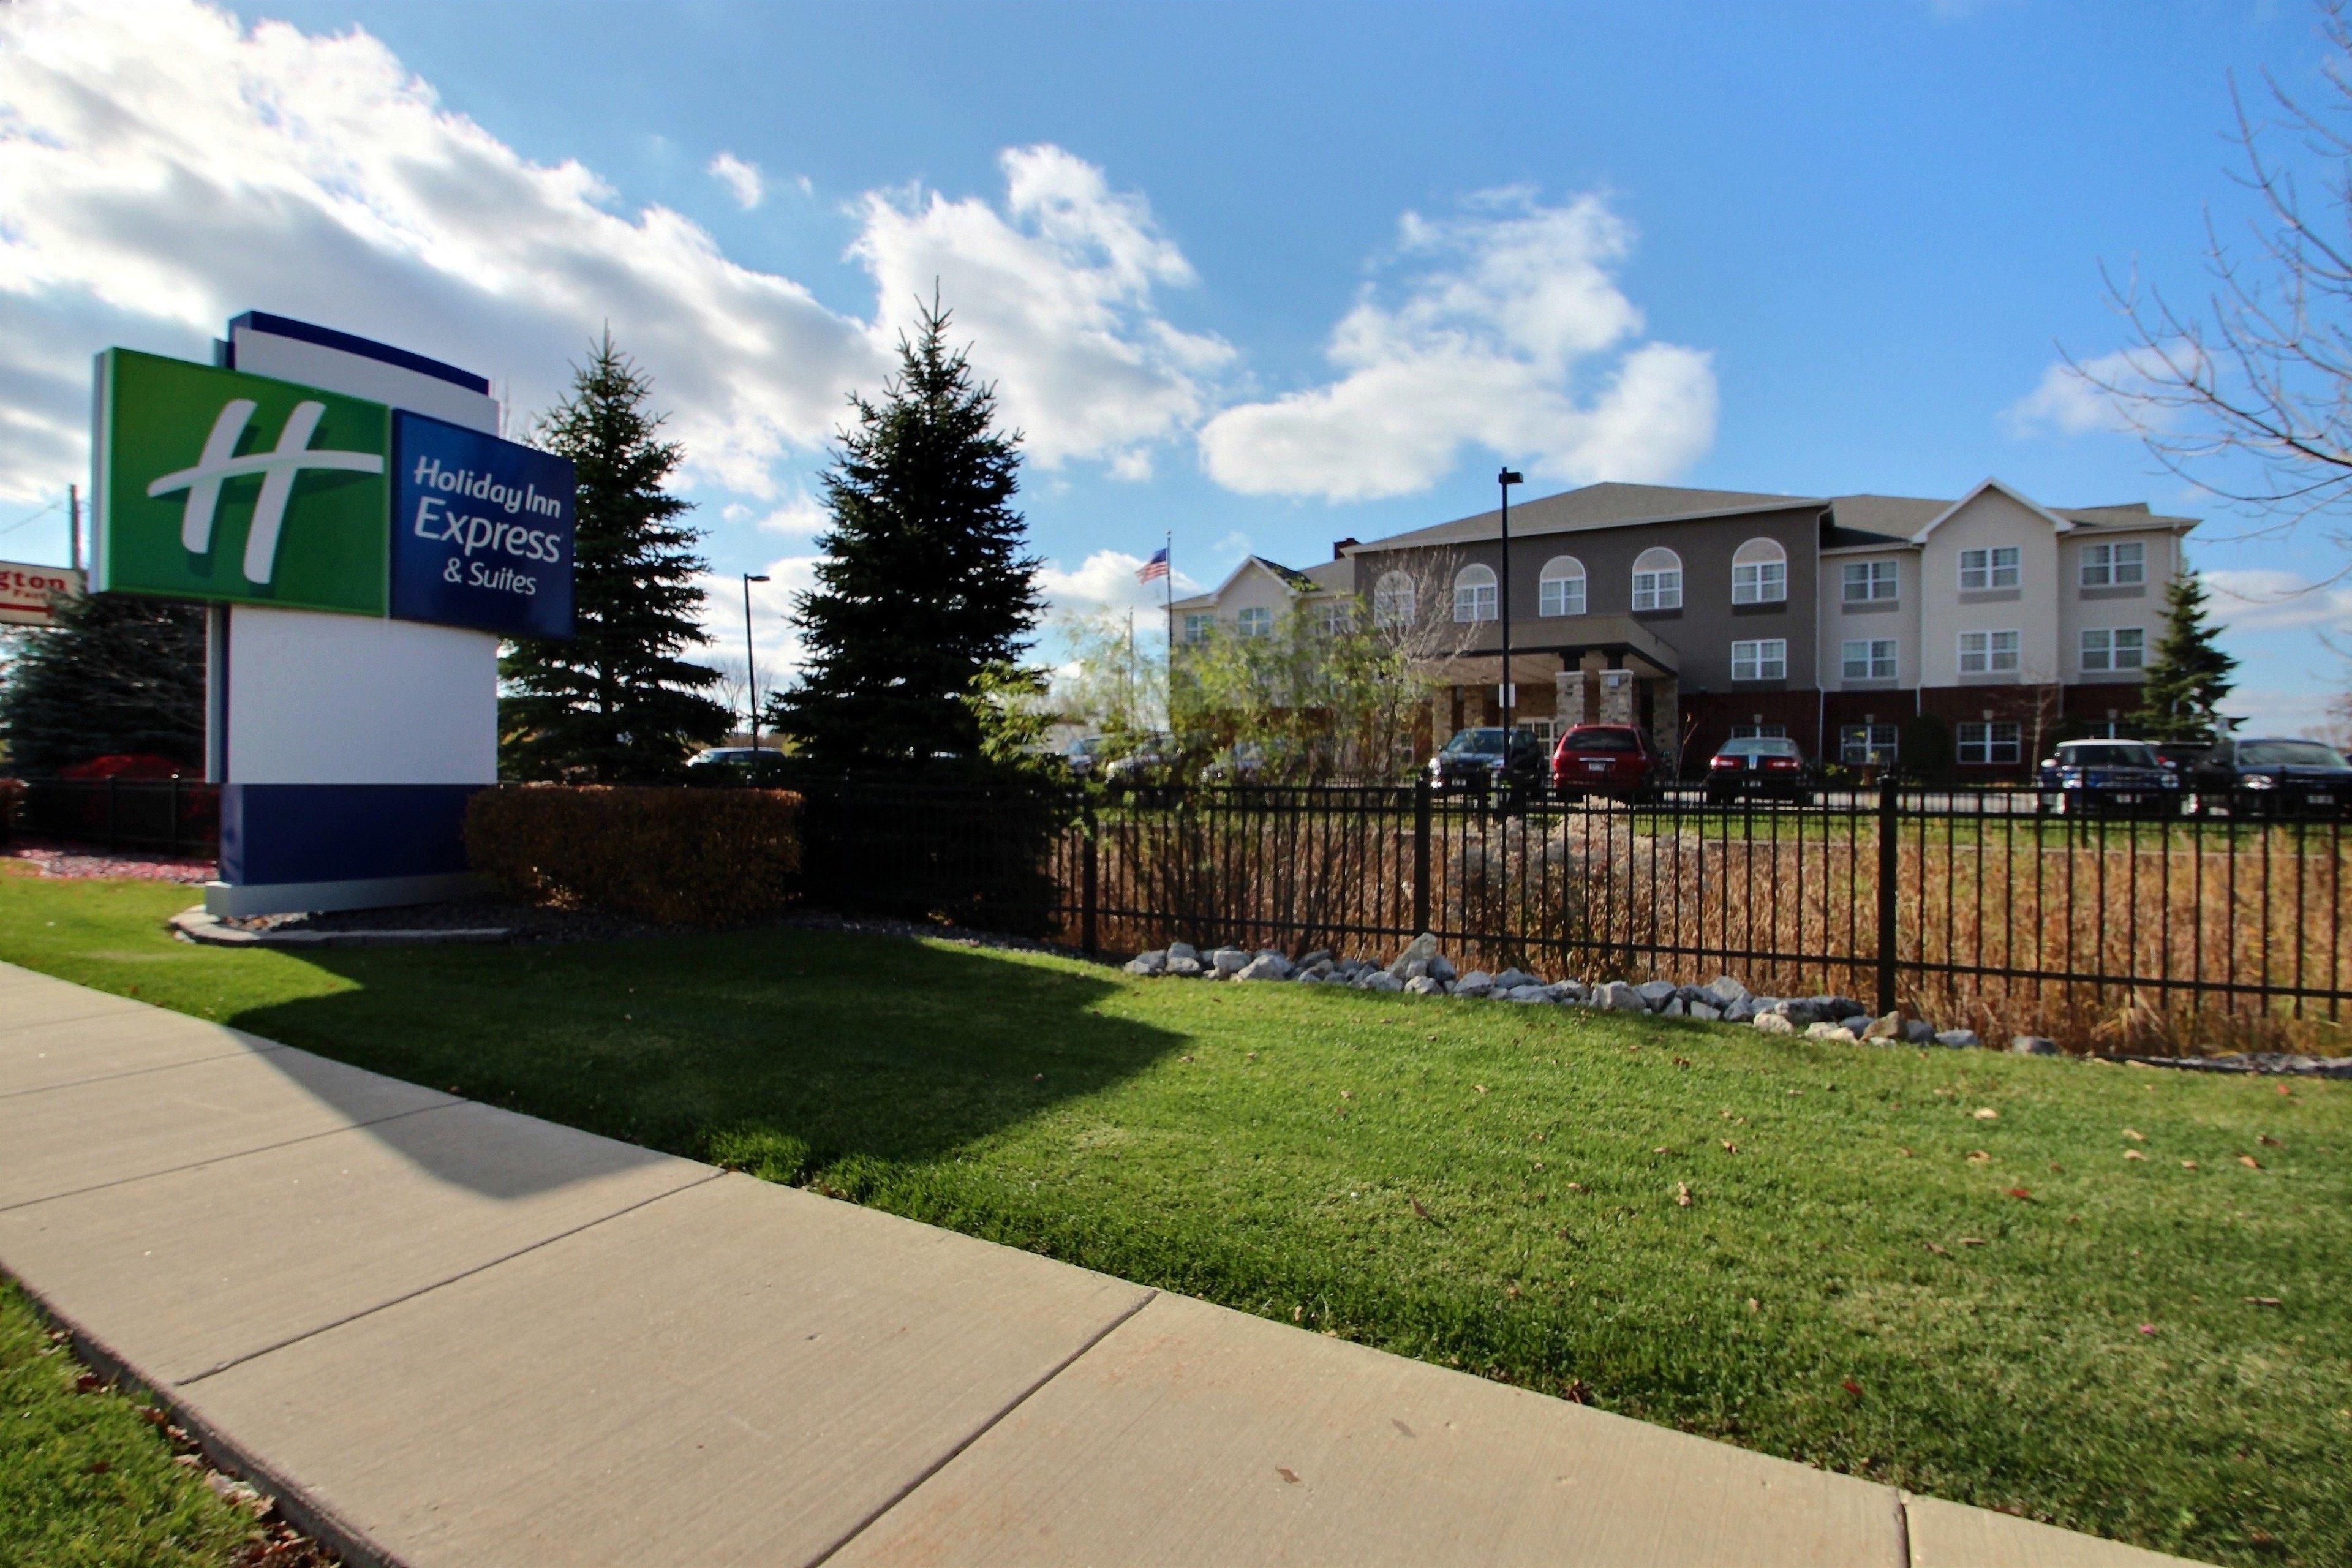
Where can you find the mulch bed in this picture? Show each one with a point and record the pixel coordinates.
(85, 860)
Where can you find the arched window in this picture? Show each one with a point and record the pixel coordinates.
(1562, 587)
(1759, 574)
(1393, 601)
(1657, 580)
(1474, 593)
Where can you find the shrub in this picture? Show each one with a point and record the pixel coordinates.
(676, 857)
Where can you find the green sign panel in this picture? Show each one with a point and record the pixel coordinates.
(217, 485)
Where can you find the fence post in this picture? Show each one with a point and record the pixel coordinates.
(1420, 855)
(175, 817)
(114, 813)
(1887, 863)
(1086, 884)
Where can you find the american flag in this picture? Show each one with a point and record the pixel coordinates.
(1154, 569)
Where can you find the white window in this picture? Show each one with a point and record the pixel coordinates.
(1988, 653)
(1866, 745)
(1474, 593)
(1657, 580)
(1257, 621)
(1199, 625)
(2114, 565)
(1993, 568)
(1759, 574)
(1760, 732)
(2119, 647)
(1989, 741)
(1765, 658)
(1868, 658)
(1393, 601)
(1865, 581)
(1331, 617)
(1562, 587)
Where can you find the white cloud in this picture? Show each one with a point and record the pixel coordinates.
(2262, 599)
(773, 637)
(163, 166)
(1510, 332)
(2076, 399)
(743, 180)
(1056, 289)
(1104, 582)
(803, 517)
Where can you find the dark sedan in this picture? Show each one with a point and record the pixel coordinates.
(1760, 765)
(2272, 778)
(1477, 758)
(2086, 777)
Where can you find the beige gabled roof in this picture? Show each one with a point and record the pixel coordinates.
(1607, 505)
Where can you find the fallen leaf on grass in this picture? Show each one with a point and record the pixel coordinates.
(1037, 1077)
(1183, 1058)
(2264, 1302)
(1577, 1187)
(1682, 1061)
(1729, 1147)
(2021, 1194)
(1286, 1473)
(1754, 1305)
(1985, 1113)
(98, 1468)
(1347, 1094)
(2134, 1154)
(1479, 1086)
(1978, 1157)
(1852, 1387)
(1938, 1251)
(2135, 1136)
(2250, 1163)
(1972, 1241)
(2147, 1328)
(1510, 1292)
(89, 1382)
(1577, 1393)
(1904, 1153)
(1682, 1195)
(1417, 1208)
(2187, 1164)
(2267, 1138)
(2284, 1092)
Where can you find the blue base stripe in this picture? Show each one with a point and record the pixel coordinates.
(322, 833)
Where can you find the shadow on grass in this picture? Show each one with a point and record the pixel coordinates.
(781, 1052)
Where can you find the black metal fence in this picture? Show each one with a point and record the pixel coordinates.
(174, 817)
(1982, 909)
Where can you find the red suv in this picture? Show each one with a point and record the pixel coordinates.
(1607, 759)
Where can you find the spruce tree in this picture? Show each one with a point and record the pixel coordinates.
(117, 674)
(924, 583)
(616, 703)
(2188, 675)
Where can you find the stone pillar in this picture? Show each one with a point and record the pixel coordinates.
(1665, 714)
(1616, 697)
(1566, 699)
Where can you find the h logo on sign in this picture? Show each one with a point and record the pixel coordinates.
(278, 468)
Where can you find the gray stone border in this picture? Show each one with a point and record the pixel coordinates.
(199, 926)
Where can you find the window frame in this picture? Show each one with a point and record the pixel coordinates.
(1760, 732)
(1393, 600)
(1549, 580)
(1869, 752)
(1254, 622)
(1870, 661)
(1868, 575)
(1758, 661)
(1665, 573)
(1988, 561)
(1486, 594)
(1991, 652)
(2107, 559)
(1767, 571)
(1199, 626)
(1986, 736)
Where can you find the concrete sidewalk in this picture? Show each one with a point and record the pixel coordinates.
(447, 1335)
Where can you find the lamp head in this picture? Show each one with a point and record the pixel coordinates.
(1511, 477)
(755, 576)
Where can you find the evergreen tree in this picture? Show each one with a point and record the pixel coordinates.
(923, 584)
(2188, 676)
(616, 702)
(117, 674)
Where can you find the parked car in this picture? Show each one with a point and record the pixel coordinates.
(1153, 759)
(1083, 755)
(2180, 755)
(1768, 766)
(1608, 759)
(1241, 763)
(2085, 777)
(2273, 777)
(736, 766)
(1478, 759)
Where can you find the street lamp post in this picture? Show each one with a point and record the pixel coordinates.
(1505, 479)
(750, 670)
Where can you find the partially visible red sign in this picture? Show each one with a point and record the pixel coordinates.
(26, 591)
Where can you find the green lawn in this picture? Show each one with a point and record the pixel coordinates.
(85, 1478)
(2050, 1328)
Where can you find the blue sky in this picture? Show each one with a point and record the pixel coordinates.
(1263, 276)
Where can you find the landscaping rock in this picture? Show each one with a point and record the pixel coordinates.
(1423, 947)
(2032, 1045)
(1182, 964)
(1919, 1032)
(1837, 1009)
(1619, 997)
(1956, 1038)
(1146, 963)
(1707, 1011)
(1653, 993)
(1413, 970)
(1442, 968)
(1774, 1024)
(1511, 978)
(1829, 1031)
(1380, 980)
(1183, 949)
(1889, 1028)
(1478, 982)
(1740, 1012)
(1529, 994)
(1425, 985)
(1322, 955)
(1229, 962)
(1723, 991)
(1266, 966)
(1675, 1007)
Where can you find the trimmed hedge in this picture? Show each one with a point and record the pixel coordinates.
(676, 857)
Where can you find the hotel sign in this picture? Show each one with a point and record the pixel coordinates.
(28, 594)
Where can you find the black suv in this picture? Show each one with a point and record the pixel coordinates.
(2084, 778)
(2272, 778)
(736, 766)
(1477, 758)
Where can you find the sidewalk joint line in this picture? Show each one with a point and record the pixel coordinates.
(263, 1049)
(982, 1430)
(437, 1284)
(1903, 1558)
(134, 1010)
(224, 1159)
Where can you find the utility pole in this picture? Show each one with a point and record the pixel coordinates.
(73, 523)
(750, 670)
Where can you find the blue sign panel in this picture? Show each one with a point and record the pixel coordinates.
(481, 530)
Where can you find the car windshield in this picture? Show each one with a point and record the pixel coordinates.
(1601, 740)
(1090, 746)
(2108, 754)
(1759, 746)
(1475, 744)
(2287, 755)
